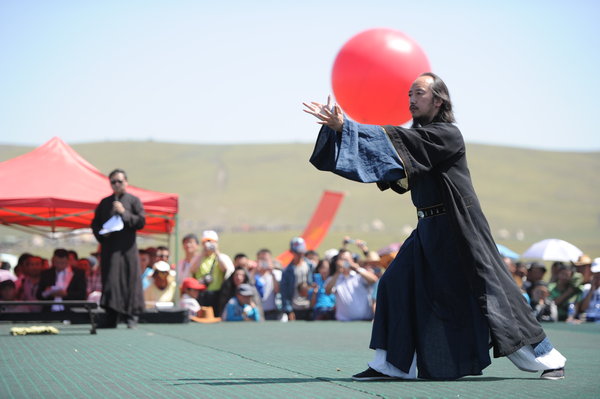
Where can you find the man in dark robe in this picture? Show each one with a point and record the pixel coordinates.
(447, 297)
(121, 281)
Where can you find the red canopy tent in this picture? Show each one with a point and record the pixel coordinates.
(53, 187)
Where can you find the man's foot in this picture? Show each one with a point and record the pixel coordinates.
(372, 375)
(132, 321)
(553, 374)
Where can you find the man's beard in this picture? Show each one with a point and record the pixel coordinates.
(419, 121)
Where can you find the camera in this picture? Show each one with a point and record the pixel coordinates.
(263, 264)
(211, 246)
(207, 279)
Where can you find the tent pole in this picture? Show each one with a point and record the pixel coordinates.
(176, 247)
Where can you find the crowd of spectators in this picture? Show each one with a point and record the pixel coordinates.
(571, 291)
(64, 277)
(339, 285)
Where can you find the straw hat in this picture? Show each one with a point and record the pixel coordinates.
(372, 257)
(583, 260)
(206, 315)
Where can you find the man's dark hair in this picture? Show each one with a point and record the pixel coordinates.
(61, 253)
(118, 170)
(191, 236)
(440, 91)
(263, 251)
(74, 253)
(334, 260)
(162, 248)
(151, 251)
(562, 266)
(23, 258)
(342, 250)
(240, 255)
(311, 252)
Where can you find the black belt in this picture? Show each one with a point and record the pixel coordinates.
(440, 209)
(423, 213)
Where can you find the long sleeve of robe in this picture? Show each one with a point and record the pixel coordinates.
(448, 292)
(362, 153)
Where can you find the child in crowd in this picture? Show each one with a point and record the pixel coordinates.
(190, 290)
(241, 307)
(544, 307)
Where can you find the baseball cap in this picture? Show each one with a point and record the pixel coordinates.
(192, 283)
(330, 253)
(297, 245)
(162, 266)
(596, 265)
(245, 290)
(210, 235)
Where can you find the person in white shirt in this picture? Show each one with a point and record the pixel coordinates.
(267, 278)
(190, 290)
(162, 290)
(191, 247)
(351, 285)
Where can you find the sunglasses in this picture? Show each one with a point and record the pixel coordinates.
(117, 181)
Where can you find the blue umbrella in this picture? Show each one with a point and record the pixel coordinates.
(506, 252)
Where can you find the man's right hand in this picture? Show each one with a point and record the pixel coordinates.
(333, 117)
(118, 207)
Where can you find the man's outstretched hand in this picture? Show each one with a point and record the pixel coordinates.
(326, 114)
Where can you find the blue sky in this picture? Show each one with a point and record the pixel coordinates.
(520, 73)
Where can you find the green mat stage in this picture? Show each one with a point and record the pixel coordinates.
(257, 360)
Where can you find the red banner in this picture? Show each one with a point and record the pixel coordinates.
(319, 224)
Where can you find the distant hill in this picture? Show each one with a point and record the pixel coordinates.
(261, 195)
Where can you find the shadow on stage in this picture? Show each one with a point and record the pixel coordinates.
(303, 380)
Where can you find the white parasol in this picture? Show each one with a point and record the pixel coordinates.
(553, 249)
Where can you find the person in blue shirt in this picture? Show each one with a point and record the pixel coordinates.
(323, 304)
(146, 268)
(241, 307)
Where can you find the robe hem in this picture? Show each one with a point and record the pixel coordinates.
(531, 341)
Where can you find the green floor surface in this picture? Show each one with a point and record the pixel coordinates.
(262, 360)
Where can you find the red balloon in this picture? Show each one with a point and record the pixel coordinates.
(372, 74)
